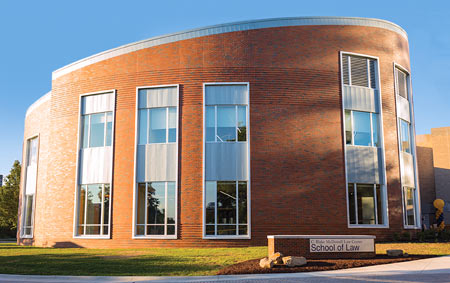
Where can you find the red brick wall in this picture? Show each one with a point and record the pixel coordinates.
(297, 159)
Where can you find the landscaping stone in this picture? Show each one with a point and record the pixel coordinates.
(266, 263)
(292, 261)
(394, 252)
(277, 258)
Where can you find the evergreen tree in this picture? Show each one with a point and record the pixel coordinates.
(9, 200)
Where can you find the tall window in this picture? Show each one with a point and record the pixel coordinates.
(30, 188)
(156, 209)
(157, 125)
(359, 71)
(226, 208)
(405, 136)
(361, 128)
(95, 163)
(402, 83)
(93, 213)
(97, 130)
(226, 170)
(226, 123)
(409, 204)
(365, 205)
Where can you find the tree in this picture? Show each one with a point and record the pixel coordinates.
(9, 200)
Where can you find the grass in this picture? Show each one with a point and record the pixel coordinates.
(150, 262)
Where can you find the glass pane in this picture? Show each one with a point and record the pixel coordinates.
(80, 230)
(226, 123)
(379, 205)
(141, 204)
(375, 127)
(366, 204)
(405, 142)
(157, 133)
(226, 202)
(28, 210)
(32, 151)
(351, 203)
(243, 230)
(94, 204)
(85, 131)
(359, 75)
(170, 229)
(171, 205)
(155, 230)
(226, 229)
(402, 84)
(143, 119)
(242, 190)
(140, 230)
(93, 230)
(156, 203)
(361, 125)
(210, 123)
(105, 229)
(172, 124)
(348, 127)
(242, 124)
(109, 118)
(106, 198)
(210, 230)
(81, 204)
(409, 209)
(97, 130)
(210, 199)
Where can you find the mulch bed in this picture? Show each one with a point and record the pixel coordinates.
(252, 266)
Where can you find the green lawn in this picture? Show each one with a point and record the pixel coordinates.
(150, 262)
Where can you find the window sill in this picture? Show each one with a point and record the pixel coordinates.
(226, 238)
(26, 237)
(368, 226)
(411, 227)
(104, 237)
(156, 237)
(226, 142)
(363, 146)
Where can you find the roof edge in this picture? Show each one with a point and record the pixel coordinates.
(225, 28)
(38, 102)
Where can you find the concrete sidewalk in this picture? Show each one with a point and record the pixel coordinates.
(426, 270)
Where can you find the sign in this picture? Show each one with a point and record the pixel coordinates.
(341, 245)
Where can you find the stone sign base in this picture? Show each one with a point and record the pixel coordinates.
(323, 246)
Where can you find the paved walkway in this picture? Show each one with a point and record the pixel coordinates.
(426, 270)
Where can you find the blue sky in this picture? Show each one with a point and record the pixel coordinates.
(38, 37)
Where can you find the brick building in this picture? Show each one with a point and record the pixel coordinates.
(433, 156)
(220, 136)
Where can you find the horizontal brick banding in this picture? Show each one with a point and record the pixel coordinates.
(296, 142)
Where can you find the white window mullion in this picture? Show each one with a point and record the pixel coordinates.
(102, 207)
(215, 124)
(165, 208)
(85, 208)
(371, 130)
(167, 124)
(237, 207)
(349, 70)
(376, 202)
(215, 210)
(145, 209)
(355, 191)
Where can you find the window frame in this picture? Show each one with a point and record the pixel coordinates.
(236, 112)
(102, 219)
(404, 210)
(134, 236)
(167, 110)
(355, 201)
(383, 186)
(105, 129)
(225, 237)
(412, 141)
(24, 194)
(369, 80)
(371, 128)
(75, 235)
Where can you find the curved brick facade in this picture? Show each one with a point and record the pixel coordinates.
(296, 138)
